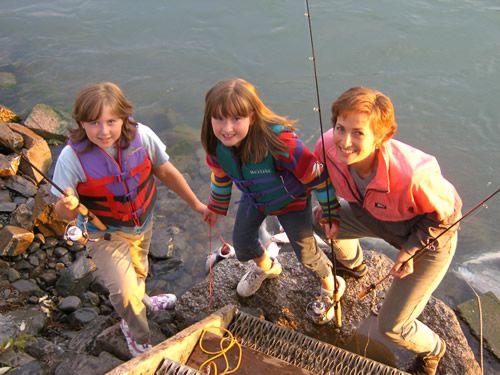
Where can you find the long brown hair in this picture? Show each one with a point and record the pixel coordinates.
(373, 103)
(238, 98)
(88, 107)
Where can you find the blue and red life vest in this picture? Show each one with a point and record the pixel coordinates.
(268, 188)
(120, 192)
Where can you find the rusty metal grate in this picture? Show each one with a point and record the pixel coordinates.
(169, 367)
(303, 351)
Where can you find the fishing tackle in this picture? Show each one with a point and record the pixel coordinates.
(336, 292)
(84, 211)
(363, 293)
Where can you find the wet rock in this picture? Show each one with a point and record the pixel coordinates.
(7, 79)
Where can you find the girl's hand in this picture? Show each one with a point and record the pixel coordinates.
(208, 216)
(317, 213)
(331, 229)
(403, 266)
(70, 200)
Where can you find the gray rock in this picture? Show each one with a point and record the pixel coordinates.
(42, 349)
(83, 316)
(70, 304)
(30, 368)
(33, 319)
(13, 275)
(85, 339)
(83, 364)
(21, 186)
(28, 287)
(48, 123)
(76, 279)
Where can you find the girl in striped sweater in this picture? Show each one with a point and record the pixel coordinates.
(249, 145)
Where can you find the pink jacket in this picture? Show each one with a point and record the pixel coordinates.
(408, 183)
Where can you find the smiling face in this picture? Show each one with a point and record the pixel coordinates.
(104, 131)
(355, 142)
(231, 131)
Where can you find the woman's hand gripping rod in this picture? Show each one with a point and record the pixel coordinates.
(84, 211)
(363, 293)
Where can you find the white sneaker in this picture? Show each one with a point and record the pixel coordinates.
(223, 252)
(134, 347)
(252, 280)
(160, 302)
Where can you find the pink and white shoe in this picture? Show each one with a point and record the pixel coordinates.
(160, 302)
(134, 347)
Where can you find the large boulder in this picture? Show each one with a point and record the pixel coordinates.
(284, 302)
(48, 123)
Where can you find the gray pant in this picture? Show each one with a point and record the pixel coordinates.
(298, 226)
(407, 297)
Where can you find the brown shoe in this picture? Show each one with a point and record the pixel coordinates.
(357, 272)
(428, 364)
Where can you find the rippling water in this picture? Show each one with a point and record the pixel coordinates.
(438, 60)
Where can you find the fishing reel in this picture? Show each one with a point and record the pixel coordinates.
(75, 234)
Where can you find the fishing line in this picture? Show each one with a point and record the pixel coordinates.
(226, 343)
(338, 316)
(363, 293)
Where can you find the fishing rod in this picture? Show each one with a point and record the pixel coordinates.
(81, 208)
(363, 293)
(336, 296)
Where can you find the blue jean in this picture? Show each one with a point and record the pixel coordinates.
(298, 226)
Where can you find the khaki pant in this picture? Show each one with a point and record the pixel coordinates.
(407, 297)
(122, 264)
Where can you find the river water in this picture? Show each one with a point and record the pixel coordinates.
(438, 60)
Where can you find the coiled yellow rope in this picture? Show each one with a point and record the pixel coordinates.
(226, 343)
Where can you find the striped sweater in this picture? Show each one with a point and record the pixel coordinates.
(300, 161)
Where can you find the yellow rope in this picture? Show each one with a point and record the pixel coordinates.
(226, 343)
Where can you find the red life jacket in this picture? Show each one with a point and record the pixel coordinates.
(120, 192)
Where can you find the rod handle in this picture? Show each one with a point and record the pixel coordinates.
(338, 315)
(93, 219)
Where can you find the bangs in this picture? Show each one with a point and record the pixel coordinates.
(232, 106)
(93, 111)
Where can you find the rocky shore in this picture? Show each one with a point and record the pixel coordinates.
(55, 317)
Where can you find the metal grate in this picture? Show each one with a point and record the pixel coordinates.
(169, 367)
(302, 351)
